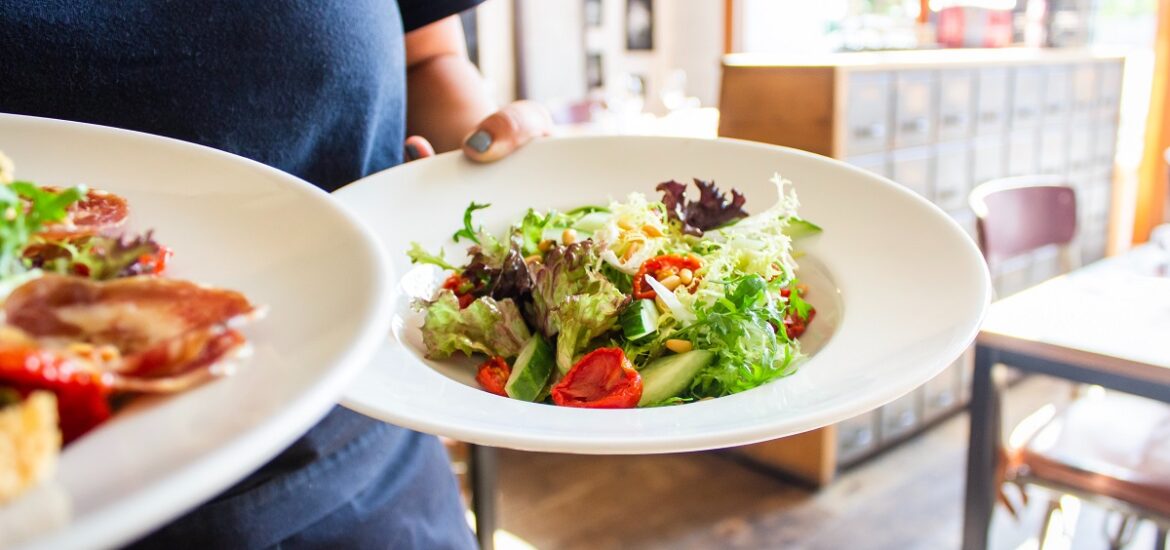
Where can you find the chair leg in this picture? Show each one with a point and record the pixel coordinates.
(1049, 514)
(1124, 534)
(1160, 538)
(482, 470)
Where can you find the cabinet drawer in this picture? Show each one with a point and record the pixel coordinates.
(1026, 97)
(867, 112)
(1080, 148)
(988, 159)
(942, 394)
(1084, 90)
(991, 100)
(1054, 149)
(952, 175)
(1109, 76)
(1022, 154)
(914, 108)
(911, 168)
(901, 416)
(876, 163)
(856, 437)
(955, 104)
(1056, 95)
(1104, 144)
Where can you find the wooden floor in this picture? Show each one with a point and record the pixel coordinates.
(908, 498)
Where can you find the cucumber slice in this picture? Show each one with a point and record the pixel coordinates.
(592, 222)
(530, 372)
(639, 320)
(669, 376)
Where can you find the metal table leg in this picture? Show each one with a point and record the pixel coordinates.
(482, 469)
(981, 452)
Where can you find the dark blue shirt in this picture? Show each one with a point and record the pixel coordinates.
(312, 87)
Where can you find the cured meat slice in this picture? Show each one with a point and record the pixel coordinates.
(159, 328)
(98, 213)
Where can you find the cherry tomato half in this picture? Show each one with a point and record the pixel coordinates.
(661, 267)
(493, 375)
(82, 398)
(462, 289)
(603, 379)
(794, 326)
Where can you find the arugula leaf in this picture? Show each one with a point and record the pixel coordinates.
(468, 232)
(24, 210)
(419, 256)
(796, 303)
(742, 329)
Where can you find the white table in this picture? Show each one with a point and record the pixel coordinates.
(1107, 324)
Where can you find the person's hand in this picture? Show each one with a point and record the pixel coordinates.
(497, 135)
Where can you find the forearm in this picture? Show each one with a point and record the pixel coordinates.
(446, 98)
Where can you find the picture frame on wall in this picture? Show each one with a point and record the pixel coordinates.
(639, 25)
(594, 73)
(592, 13)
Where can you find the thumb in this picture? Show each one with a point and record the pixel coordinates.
(507, 130)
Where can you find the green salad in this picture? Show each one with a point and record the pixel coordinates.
(638, 303)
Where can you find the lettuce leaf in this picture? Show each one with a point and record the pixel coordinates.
(712, 210)
(573, 300)
(741, 328)
(485, 326)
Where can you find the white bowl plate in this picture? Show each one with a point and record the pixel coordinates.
(899, 287)
(232, 223)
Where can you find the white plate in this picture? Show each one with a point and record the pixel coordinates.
(900, 291)
(232, 223)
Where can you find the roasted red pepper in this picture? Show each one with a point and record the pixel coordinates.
(794, 326)
(493, 375)
(82, 397)
(462, 289)
(661, 267)
(603, 379)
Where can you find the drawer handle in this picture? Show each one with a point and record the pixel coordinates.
(989, 116)
(944, 399)
(1025, 112)
(858, 438)
(953, 120)
(873, 131)
(916, 126)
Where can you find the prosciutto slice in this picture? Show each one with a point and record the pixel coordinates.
(98, 213)
(145, 333)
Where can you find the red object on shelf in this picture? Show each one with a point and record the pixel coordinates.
(968, 27)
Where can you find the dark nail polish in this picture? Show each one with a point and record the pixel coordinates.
(479, 141)
(411, 152)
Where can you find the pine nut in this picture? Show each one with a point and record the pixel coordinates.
(630, 251)
(569, 236)
(651, 231)
(665, 272)
(544, 245)
(679, 346)
(686, 276)
(532, 259)
(625, 223)
(671, 282)
(802, 289)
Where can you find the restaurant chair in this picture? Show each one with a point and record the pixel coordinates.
(1109, 448)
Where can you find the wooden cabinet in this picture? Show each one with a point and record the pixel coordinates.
(938, 122)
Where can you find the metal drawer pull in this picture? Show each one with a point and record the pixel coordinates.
(953, 120)
(916, 125)
(873, 131)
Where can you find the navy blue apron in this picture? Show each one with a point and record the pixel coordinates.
(314, 88)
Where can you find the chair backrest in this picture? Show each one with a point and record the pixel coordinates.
(1017, 215)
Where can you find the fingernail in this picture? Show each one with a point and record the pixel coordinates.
(411, 152)
(480, 141)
